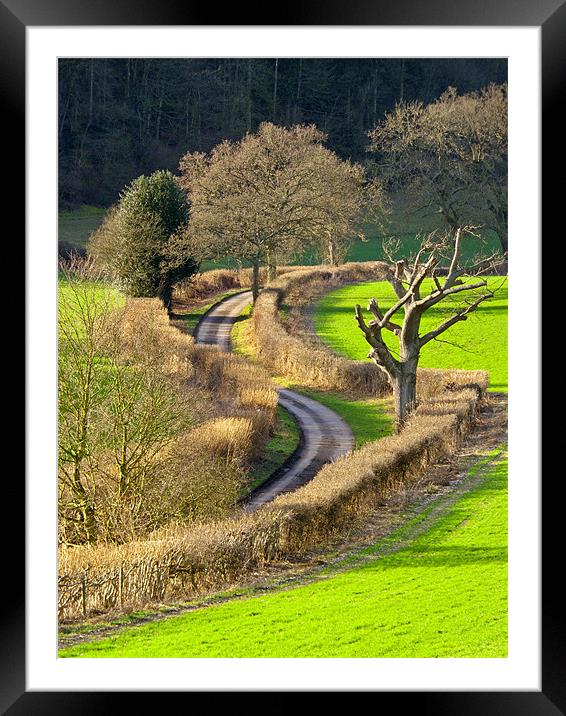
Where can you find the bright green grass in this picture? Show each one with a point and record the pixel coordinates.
(282, 444)
(70, 294)
(369, 419)
(442, 594)
(480, 342)
(76, 226)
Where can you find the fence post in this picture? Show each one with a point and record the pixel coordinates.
(84, 592)
(121, 585)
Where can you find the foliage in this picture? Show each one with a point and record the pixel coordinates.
(120, 117)
(141, 239)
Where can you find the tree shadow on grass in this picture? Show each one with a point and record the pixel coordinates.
(436, 556)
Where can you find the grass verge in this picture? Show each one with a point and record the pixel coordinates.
(188, 318)
(282, 445)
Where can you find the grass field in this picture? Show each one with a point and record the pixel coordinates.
(76, 226)
(436, 587)
(477, 343)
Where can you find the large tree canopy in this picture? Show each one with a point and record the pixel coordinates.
(449, 157)
(142, 242)
(274, 193)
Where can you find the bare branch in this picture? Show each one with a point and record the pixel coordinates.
(380, 353)
(436, 296)
(460, 316)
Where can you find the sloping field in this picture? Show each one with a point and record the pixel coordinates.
(435, 588)
(479, 343)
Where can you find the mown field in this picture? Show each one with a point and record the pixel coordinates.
(479, 343)
(436, 588)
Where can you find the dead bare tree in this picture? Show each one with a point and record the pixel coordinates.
(406, 278)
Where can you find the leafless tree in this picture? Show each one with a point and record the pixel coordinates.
(448, 159)
(406, 278)
(274, 193)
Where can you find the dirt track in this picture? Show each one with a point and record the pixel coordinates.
(324, 435)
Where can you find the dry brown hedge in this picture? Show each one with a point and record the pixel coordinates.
(180, 562)
(245, 391)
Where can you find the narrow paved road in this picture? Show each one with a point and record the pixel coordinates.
(324, 435)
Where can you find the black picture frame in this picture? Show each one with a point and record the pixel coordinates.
(550, 16)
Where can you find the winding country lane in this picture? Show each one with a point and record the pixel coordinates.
(324, 435)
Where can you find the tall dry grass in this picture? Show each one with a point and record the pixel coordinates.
(244, 393)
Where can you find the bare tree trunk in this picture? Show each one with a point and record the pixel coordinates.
(255, 280)
(405, 393)
(275, 87)
(298, 94)
(502, 235)
(271, 266)
(249, 98)
(331, 253)
(407, 280)
(89, 523)
(166, 295)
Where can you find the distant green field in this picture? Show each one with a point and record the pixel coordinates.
(372, 250)
(479, 343)
(76, 226)
(436, 588)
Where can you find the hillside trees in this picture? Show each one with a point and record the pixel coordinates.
(270, 195)
(142, 241)
(120, 117)
(449, 158)
(461, 287)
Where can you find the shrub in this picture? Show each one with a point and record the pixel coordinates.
(142, 241)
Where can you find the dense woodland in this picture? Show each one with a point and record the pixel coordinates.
(119, 118)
